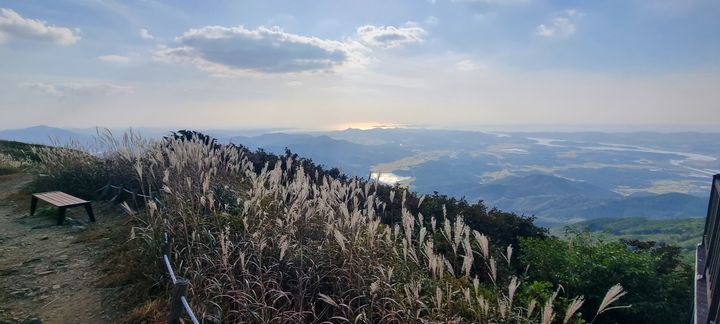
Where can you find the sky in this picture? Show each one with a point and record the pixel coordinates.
(331, 64)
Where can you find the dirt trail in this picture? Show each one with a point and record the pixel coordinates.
(46, 274)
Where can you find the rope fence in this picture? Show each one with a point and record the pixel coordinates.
(178, 299)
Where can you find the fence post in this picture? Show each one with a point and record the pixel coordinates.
(176, 306)
(104, 190)
(118, 197)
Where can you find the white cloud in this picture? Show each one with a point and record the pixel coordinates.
(230, 51)
(114, 58)
(13, 25)
(431, 20)
(77, 89)
(561, 26)
(390, 36)
(145, 34)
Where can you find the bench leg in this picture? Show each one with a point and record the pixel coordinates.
(88, 209)
(61, 215)
(33, 205)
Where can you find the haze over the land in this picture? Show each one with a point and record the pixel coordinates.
(337, 64)
(560, 177)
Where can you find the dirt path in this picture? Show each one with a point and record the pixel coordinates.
(47, 275)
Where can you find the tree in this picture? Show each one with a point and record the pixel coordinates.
(658, 283)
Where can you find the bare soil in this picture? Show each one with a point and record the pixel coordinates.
(48, 274)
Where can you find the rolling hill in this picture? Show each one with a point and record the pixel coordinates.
(45, 135)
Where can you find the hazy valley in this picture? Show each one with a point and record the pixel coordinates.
(558, 177)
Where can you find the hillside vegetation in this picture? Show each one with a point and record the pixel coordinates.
(268, 238)
(685, 233)
(16, 156)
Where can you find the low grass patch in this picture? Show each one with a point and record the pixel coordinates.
(128, 267)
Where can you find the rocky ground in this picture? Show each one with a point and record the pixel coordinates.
(48, 273)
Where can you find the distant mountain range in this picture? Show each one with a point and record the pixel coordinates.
(558, 177)
(351, 158)
(43, 135)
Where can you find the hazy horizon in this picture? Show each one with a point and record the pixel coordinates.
(531, 128)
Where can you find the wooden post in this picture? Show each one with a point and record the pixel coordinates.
(61, 215)
(121, 192)
(88, 209)
(33, 205)
(176, 306)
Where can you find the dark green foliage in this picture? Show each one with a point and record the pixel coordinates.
(684, 232)
(659, 285)
(504, 228)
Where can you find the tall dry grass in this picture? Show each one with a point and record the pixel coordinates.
(9, 164)
(273, 244)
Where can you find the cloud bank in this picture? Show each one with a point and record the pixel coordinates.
(76, 89)
(230, 51)
(112, 58)
(390, 36)
(13, 25)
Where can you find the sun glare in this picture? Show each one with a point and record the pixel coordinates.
(365, 125)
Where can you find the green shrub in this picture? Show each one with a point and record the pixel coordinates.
(658, 283)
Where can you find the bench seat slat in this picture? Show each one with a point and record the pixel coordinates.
(55, 198)
(60, 199)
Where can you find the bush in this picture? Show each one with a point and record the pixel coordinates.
(68, 169)
(658, 283)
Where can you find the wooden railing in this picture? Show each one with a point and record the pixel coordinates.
(178, 299)
(706, 302)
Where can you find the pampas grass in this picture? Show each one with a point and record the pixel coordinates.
(574, 306)
(271, 243)
(612, 295)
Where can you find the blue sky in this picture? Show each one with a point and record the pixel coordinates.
(332, 64)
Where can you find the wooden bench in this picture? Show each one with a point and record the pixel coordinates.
(62, 201)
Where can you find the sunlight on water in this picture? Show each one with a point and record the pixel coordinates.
(388, 178)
